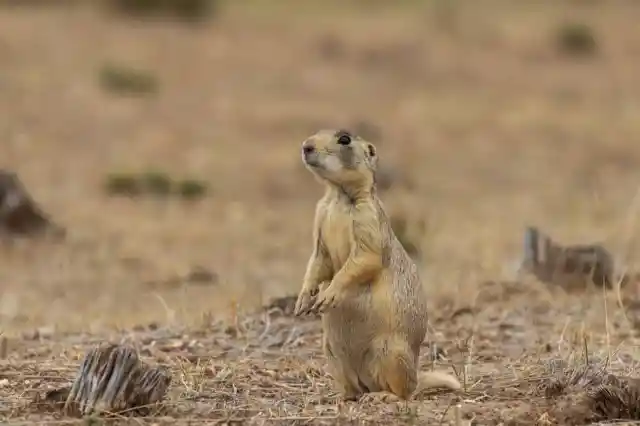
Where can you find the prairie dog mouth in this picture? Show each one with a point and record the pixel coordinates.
(311, 158)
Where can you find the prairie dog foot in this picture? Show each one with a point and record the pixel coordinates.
(308, 297)
(329, 297)
(378, 397)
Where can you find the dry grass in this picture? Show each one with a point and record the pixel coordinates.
(268, 368)
(484, 126)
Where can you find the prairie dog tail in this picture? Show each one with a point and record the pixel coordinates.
(436, 379)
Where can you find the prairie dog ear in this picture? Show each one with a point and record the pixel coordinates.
(371, 154)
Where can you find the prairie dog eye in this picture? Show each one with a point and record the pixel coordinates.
(344, 138)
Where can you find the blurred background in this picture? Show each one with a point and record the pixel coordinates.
(165, 136)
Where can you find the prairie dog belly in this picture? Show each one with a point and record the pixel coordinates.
(365, 314)
(350, 328)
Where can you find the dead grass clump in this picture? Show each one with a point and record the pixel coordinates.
(113, 380)
(565, 378)
(619, 402)
(182, 10)
(154, 183)
(124, 80)
(572, 266)
(586, 392)
(19, 213)
(576, 39)
(615, 402)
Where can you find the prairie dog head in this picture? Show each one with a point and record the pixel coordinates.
(340, 158)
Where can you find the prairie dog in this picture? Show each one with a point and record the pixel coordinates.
(359, 276)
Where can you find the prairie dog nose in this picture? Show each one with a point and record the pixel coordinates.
(308, 147)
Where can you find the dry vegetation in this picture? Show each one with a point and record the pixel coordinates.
(489, 116)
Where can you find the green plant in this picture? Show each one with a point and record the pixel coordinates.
(123, 80)
(156, 183)
(576, 39)
(185, 10)
(191, 189)
(193, 10)
(134, 7)
(122, 184)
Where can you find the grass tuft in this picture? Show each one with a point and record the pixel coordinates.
(191, 189)
(576, 39)
(127, 81)
(122, 184)
(190, 11)
(154, 183)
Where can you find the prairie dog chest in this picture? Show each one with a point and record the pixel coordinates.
(336, 230)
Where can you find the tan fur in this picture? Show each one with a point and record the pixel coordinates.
(361, 279)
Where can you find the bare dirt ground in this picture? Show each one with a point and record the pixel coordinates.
(484, 127)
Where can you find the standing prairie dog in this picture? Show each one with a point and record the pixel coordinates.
(362, 280)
